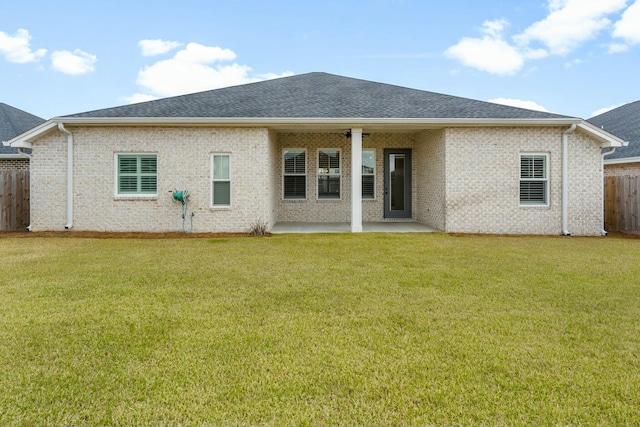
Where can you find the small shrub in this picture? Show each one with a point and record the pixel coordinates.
(258, 228)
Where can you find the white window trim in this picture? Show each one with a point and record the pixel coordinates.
(305, 174)
(547, 180)
(318, 174)
(229, 180)
(118, 195)
(375, 171)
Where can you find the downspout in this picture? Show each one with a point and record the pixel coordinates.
(69, 176)
(605, 154)
(565, 177)
(21, 151)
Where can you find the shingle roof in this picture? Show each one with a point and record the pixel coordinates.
(318, 95)
(13, 122)
(623, 122)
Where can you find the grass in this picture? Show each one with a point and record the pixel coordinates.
(343, 329)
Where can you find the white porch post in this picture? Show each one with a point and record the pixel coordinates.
(356, 180)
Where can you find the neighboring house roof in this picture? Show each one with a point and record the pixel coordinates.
(319, 95)
(623, 122)
(14, 122)
(317, 100)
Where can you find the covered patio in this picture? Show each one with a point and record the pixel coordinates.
(345, 227)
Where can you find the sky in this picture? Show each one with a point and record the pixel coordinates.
(572, 57)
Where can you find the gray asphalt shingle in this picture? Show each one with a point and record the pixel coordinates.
(318, 95)
(623, 122)
(13, 122)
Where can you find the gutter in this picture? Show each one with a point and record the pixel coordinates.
(69, 176)
(302, 121)
(611, 151)
(621, 160)
(565, 179)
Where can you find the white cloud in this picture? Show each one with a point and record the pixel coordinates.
(16, 48)
(489, 53)
(139, 97)
(572, 63)
(570, 24)
(157, 46)
(604, 110)
(529, 105)
(628, 27)
(199, 54)
(617, 48)
(194, 69)
(73, 63)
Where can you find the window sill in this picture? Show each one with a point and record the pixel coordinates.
(294, 200)
(534, 206)
(129, 198)
(220, 208)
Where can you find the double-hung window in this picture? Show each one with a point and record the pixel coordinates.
(137, 174)
(294, 174)
(329, 174)
(534, 179)
(368, 174)
(221, 180)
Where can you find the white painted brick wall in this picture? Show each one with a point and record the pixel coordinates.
(429, 164)
(314, 210)
(184, 162)
(482, 168)
(465, 179)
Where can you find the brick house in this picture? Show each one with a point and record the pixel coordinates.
(624, 122)
(318, 148)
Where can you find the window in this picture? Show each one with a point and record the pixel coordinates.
(368, 174)
(329, 174)
(221, 180)
(534, 179)
(137, 174)
(294, 174)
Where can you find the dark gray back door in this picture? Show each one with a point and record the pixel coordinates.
(397, 183)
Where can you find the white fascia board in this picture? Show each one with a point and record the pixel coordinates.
(14, 157)
(268, 121)
(622, 160)
(24, 140)
(606, 139)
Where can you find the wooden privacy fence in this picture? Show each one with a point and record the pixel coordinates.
(622, 203)
(14, 200)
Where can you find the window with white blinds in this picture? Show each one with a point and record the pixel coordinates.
(534, 179)
(329, 174)
(137, 174)
(368, 174)
(221, 180)
(294, 174)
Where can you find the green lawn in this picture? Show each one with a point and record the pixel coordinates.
(335, 329)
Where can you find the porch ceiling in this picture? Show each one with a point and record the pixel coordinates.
(315, 128)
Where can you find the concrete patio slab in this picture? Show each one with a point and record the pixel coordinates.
(345, 227)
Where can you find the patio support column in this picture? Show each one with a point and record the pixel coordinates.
(356, 180)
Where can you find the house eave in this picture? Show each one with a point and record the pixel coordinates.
(14, 157)
(24, 140)
(622, 160)
(311, 121)
(606, 139)
(316, 123)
